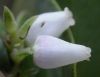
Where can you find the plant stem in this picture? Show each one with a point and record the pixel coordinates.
(75, 69)
(73, 41)
(56, 5)
(70, 34)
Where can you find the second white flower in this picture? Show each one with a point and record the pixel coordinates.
(51, 52)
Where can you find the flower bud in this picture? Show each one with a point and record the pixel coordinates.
(51, 23)
(51, 52)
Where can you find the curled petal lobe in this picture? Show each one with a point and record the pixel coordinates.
(51, 52)
(51, 23)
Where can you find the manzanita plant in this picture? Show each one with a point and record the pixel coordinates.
(38, 37)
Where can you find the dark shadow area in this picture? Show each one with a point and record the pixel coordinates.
(7, 3)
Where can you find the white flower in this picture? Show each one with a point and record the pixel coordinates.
(51, 52)
(51, 23)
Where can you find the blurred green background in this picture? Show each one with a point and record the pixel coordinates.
(86, 31)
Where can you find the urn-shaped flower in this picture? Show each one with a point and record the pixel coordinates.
(51, 23)
(51, 52)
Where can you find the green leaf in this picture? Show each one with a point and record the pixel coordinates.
(9, 21)
(25, 27)
(19, 54)
(21, 18)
